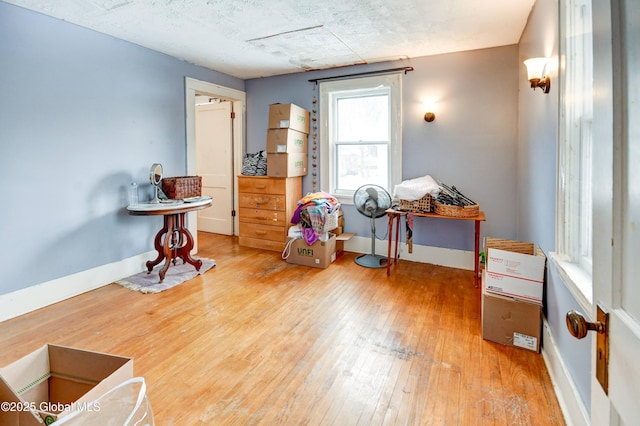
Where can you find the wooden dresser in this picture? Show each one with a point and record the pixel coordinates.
(266, 206)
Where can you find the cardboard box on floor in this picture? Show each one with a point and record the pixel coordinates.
(54, 380)
(511, 321)
(514, 269)
(318, 255)
(289, 116)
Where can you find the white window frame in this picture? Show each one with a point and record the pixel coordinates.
(334, 89)
(574, 237)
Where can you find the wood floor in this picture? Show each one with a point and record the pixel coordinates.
(259, 341)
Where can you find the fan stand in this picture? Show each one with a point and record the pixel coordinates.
(372, 260)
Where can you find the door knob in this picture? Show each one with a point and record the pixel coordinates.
(579, 327)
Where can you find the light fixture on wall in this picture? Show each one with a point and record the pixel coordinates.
(429, 107)
(535, 74)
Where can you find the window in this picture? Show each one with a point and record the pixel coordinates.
(575, 153)
(360, 134)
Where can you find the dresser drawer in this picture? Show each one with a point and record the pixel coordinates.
(262, 185)
(262, 244)
(266, 217)
(265, 232)
(262, 201)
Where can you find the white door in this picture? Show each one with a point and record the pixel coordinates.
(616, 266)
(214, 161)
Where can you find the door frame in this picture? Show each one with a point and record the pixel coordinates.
(610, 83)
(239, 100)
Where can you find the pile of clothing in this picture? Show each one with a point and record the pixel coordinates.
(311, 213)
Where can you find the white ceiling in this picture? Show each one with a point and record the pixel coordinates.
(259, 38)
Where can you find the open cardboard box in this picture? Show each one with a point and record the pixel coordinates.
(54, 380)
(318, 255)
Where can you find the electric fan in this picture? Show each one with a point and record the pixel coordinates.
(372, 201)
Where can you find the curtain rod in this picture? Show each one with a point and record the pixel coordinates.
(405, 69)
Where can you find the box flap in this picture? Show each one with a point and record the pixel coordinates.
(91, 373)
(15, 417)
(345, 236)
(83, 365)
(26, 373)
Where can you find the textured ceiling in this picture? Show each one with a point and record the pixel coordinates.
(259, 38)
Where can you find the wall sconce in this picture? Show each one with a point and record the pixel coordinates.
(429, 107)
(535, 74)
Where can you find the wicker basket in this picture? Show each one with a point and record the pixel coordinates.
(456, 211)
(182, 187)
(423, 205)
(331, 221)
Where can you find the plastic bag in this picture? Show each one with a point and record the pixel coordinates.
(126, 404)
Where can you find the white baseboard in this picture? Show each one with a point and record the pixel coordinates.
(460, 259)
(575, 413)
(40, 295)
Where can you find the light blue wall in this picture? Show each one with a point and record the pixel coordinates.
(537, 157)
(82, 115)
(472, 144)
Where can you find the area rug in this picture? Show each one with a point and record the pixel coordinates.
(176, 274)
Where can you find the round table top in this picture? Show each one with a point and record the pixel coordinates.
(170, 206)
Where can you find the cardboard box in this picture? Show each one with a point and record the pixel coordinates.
(530, 290)
(289, 116)
(511, 321)
(53, 381)
(286, 141)
(318, 255)
(514, 269)
(287, 165)
(516, 265)
(510, 245)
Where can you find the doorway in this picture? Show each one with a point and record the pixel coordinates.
(214, 162)
(238, 100)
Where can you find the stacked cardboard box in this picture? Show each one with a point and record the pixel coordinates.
(515, 268)
(287, 141)
(511, 321)
(512, 293)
